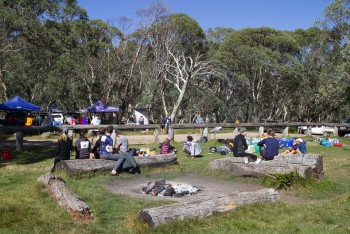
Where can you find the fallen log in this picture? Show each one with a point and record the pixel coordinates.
(57, 188)
(201, 209)
(305, 165)
(86, 165)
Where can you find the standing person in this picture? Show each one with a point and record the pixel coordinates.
(122, 143)
(167, 122)
(131, 119)
(199, 120)
(268, 147)
(82, 146)
(29, 120)
(162, 124)
(106, 151)
(83, 120)
(240, 146)
(64, 147)
(123, 120)
(115, 120)
(95, 120)
(73, 120)
(141, 120)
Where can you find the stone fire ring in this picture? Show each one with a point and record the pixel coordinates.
(208, 187)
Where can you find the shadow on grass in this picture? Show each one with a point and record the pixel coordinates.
(33, 152)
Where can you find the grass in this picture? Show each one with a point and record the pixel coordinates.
(26, 207)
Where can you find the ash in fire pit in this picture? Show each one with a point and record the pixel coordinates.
(161, 188)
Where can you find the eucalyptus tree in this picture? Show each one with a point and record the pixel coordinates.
(27, 30)
(186, 65)
(133, 51)
(334, 93)
(258, 59)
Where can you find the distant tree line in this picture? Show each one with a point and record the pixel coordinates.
(52, 54)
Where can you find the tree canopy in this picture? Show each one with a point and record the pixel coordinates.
(51, 53)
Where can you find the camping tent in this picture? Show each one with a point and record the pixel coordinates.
(142, 112)
(18, 103)
(99, 106)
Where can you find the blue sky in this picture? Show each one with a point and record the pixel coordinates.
(236, 14)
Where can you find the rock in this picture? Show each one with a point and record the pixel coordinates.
(305, 165)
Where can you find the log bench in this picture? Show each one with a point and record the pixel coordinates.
(57, 188)
(91, 165)
(305, 165)
(205, 208)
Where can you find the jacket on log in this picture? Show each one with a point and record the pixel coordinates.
(130, 162)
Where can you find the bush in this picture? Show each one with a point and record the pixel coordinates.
(284, 181)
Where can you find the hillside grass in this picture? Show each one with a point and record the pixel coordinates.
(26, 207)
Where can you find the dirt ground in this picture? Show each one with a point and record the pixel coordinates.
(209, 187)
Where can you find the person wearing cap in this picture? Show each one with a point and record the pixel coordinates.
(269, 147)
(64, 147)
(122, 143)
(106, 151)
(240, 146)
(299, 147)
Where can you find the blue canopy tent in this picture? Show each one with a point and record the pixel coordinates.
(99, 106)
(18, 104)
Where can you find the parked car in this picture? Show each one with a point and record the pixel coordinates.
(53, 119)
(318, 130)
(344, 130)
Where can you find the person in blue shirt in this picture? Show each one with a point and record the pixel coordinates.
(199, 120)
(106, 151)
(269, 147)
(299, 147)
(167, 122)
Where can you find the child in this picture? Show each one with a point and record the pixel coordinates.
(166, 148)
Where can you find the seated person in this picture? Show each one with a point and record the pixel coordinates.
(95, 151)
(299, 147)
(192, 147)
(82, 146)
(268, 147)
(166, 148)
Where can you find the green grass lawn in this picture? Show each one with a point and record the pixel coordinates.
(26, 207)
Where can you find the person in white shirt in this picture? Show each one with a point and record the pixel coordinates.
(95, 120)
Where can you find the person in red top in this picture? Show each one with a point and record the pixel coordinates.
(166, 148)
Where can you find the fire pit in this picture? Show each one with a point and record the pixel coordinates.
(161, 188)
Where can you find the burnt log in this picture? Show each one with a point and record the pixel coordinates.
(205, 208)
(91, 165)
(305, 165)
(57, 188)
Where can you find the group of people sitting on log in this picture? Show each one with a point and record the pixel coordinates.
(269, 147)
(104, 148)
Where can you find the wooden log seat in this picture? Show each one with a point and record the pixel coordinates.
(87, 165)
(205, 208)
(305, 165)
(57, 188)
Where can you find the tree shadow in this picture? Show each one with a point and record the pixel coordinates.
(33, 152)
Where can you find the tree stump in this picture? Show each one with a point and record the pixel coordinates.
(65, 197)
(305, 165)
(200, 209)
(88, 165)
